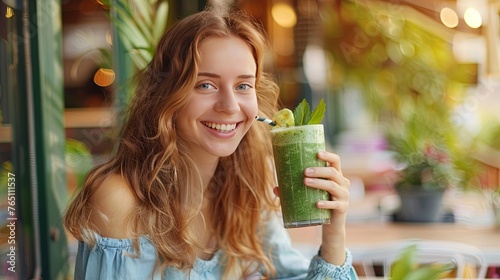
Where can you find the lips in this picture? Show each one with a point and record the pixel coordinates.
(221, 127)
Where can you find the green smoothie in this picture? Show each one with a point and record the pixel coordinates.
(296, 148)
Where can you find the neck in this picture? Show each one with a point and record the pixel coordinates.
(206, 167)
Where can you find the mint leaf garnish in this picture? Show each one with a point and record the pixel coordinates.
(303, 115)
(318, 113)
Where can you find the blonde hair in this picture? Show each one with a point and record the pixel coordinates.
(159, 169)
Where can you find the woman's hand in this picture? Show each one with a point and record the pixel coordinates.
(330, 179)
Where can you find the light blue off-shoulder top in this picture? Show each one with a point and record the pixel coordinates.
(111, 258)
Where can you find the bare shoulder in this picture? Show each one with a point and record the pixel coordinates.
(112, 203)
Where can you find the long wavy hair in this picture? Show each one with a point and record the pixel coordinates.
(161, 173)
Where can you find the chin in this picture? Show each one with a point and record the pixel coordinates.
(224, 152)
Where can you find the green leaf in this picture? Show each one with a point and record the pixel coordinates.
(106, 58)
(144, 10)
(318, 113)
(406, 267)
(302, 113)
(141, 57)
(78, 159)
(129, 28)
(160, 21)
(404, 264)
(429, 272)
(5, 168)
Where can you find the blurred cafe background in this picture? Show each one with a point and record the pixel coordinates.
(413, 104)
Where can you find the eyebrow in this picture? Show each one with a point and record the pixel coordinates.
(218, 76)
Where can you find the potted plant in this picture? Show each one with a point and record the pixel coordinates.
(429, 150)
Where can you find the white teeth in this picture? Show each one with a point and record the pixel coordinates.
(221, 127)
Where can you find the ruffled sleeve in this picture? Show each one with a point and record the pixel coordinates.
(113, 258)
(320, 269)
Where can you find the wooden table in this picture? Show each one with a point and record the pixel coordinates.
(362, 235)
(364, 228)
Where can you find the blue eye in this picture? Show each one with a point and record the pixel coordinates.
(205, 86)
(244, 87)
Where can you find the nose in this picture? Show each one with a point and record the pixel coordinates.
(227, 101)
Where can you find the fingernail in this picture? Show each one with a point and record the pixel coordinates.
(321, 153)
(309, 171)
(320, 204)
(309, 181)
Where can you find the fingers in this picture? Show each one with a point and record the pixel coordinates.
(339, 206)
(339, 195)
(329, 173)
(333, 172)
(332, 159)
(339, 190)
(330, 179)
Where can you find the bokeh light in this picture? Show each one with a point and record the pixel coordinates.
(449, 17)
(473, 18)
(284, 15)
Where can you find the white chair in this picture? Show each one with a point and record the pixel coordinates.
(466, 258)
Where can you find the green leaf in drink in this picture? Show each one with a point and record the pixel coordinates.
(301, 115)
(318, 113)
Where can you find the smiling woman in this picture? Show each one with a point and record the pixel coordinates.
(188, 194)
(223, 103)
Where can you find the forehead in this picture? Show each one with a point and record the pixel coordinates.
(226, 52)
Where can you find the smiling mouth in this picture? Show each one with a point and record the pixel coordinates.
(221, 127)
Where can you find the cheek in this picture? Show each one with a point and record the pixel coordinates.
(182, 129)
(253, 107)
(184, 121)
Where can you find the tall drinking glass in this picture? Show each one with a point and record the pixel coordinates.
(296, 148)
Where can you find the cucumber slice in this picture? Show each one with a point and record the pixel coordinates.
(284, 118)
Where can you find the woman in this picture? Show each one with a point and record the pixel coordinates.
(189, 194)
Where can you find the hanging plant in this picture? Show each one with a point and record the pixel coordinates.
(140, 25)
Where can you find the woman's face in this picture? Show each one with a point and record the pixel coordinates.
(223, 103)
